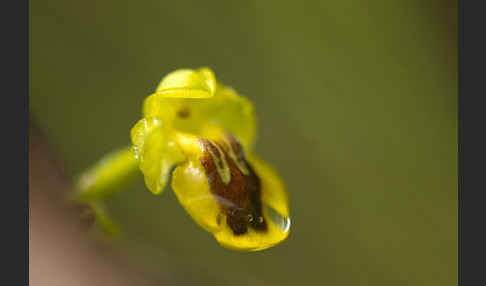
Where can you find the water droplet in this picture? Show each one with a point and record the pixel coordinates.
(135, 151)
(281, 221)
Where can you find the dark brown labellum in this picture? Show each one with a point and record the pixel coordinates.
(233, 184)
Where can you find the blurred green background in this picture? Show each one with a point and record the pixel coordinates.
(356, 102)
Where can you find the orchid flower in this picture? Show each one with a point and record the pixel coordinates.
(203, 133)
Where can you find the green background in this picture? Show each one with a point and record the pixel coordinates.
(357, 110)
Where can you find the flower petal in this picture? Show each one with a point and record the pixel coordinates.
(226, 111)
(156, 152)
(187, 83)
(189, 183)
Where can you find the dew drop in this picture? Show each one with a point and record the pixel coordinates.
(279, 220)
(135, 151)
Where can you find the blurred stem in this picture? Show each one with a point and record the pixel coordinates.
(109, 175)
(112, 174)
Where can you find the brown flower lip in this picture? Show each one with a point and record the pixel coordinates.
(234, 184)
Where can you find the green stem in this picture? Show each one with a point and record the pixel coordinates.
(109, 175)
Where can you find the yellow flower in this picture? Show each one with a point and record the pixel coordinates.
(206, 131)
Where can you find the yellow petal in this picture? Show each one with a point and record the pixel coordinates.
(187, 83)
(156, 152)
(190, 185)
(253, 241)
(206, 117)
(139, 132)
